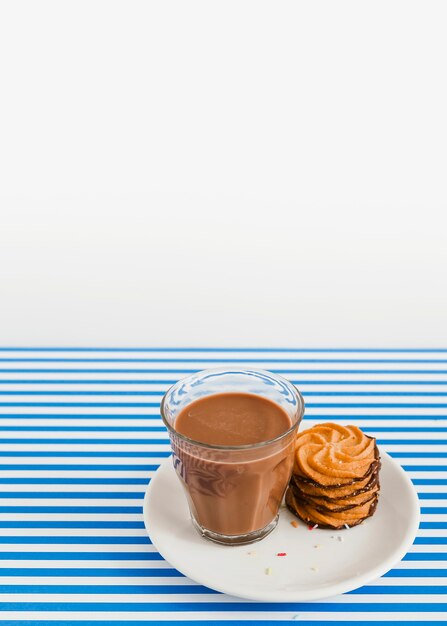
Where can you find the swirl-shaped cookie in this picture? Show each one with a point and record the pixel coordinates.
(333, 455)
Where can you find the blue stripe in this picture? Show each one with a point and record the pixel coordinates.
(318, 607)
(124, 468)
(86, 454)
(431, 509)
(106, 429)
(91, 571)
(166, 382)
(106, 381)
(410, 442)
(86, 404)
(429, 481)
(81, 556)
(124, 510)
(371, 405)
(76, 495)
(99, 416)
(425, 556)
(95, 441)
(398, 589)
(150, 622)
(72, 524)
(359, 416)
(111, 589)
(193, 371)
(367, 429)
(160, 393)
(111, 393)
(305, 393)
(77, 540)
(418, 455)
(74, 481)
(433, 525)
(286, 371)
(430, 540)
(432, 496)
(416, 573)
(229, 622)
(235, 362)
(216, 349)
(307, 381)
(425, 468)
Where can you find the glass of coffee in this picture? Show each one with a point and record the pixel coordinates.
(232, 435)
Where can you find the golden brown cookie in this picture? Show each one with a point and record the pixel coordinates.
(335, 481)
(342, 491)
(332, 455)
(336, 504)
(334, 520)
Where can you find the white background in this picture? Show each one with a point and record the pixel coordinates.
(223, 173)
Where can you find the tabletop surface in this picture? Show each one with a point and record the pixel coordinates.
(82, 436)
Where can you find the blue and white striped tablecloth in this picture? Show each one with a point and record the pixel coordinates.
(81, 436)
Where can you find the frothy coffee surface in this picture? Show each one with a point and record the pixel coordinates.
(232, 419)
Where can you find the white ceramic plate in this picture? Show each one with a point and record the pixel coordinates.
(307, 572)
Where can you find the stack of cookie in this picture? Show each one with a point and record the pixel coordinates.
(335, 481)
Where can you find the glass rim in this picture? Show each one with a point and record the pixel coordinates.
(249, 446)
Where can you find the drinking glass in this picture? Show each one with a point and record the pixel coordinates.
(233, 492)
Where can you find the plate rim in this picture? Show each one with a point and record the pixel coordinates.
(320, 593)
